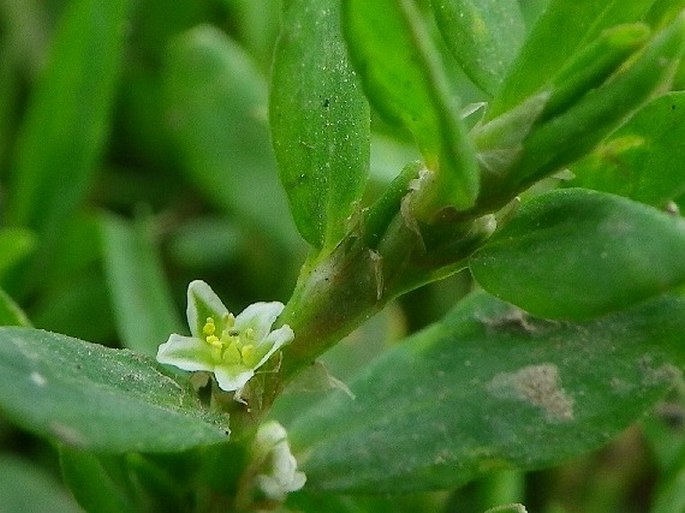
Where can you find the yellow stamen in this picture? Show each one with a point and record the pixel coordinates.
(213, 340)
(209, 328)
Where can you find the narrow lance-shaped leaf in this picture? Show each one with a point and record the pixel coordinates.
(27, 487)
(217, 102)
(499, 141)
(484, 36)
(403, 78)
(643, 159)
(319, 121)
(10, 312)
(97, 398)
(576, 253)
(560, 141)
(564, 27)
(90, 482)
(68, 114)
(15, 245)
(489, 388)
(501, 138)
(142, 303)
(258, 27)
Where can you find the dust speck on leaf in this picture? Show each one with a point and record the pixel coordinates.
(539, 385)
(38, 379)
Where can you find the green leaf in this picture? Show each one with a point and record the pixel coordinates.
(643, 159)
(483, 36)
(576, 253)
(210, 242)
(592, 65)
(404, 79)
(10, 312)
(258, 26)
(509, 508)
(141, 299)
(217, 103)
(563, 28)
(78, 305)
(89, 480)
(670, 496)
(9, 94)
(26, 488)
(489, 388)
(319, 121)
(592, 95)
(15, 245)
(662, 12)
(67, 118)
(97, 398)
(577, 131)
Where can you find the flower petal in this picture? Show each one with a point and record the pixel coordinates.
(232, 377)
(187, 353)
(297, 482)
(276, 339)
(268, 435)
(202, 303)
(260, 317)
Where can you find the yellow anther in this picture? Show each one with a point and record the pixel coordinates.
(209, 328)
(249, 354)
(232, 354)
(248, 333)
(213, 340)
(229, 320)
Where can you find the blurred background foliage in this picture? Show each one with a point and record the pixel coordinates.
(135, 156)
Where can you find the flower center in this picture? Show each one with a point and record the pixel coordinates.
(231, 346)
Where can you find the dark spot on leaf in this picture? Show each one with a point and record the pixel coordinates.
(326, 103)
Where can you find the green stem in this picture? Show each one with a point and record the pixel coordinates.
(337, 292)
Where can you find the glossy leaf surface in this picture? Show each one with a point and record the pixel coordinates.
(98, 398)
(576, 253)
(486, 388)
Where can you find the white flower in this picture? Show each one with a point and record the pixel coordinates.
(278, 468)
(230, 347)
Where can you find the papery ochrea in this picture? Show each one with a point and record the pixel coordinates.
(231, 347)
